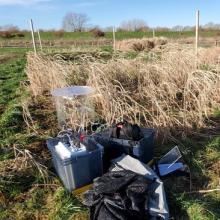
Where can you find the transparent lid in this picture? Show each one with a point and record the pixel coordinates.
(171, 157)
(73, 91)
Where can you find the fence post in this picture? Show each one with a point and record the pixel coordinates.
(113, 33)
(197, 30)
(32, 34)
(39, 38)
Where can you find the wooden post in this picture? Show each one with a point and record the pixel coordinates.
(197, 31)
(32, 34)
(39, 38)
(114, 45)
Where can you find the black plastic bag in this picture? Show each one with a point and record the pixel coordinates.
(118, 195)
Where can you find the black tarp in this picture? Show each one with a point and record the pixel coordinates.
(120, 195)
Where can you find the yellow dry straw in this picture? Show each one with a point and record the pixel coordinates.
(169, 93)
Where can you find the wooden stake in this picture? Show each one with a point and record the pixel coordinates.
(114, 45)
(197, 31)
(39, 38)
(32, 34)
(153, 33)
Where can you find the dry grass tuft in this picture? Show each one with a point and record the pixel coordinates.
(173, 92)
(24, 161)
(169, 93)
(210, 56)
(45, 74)
(144, 44)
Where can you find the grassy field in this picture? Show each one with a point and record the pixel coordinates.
(23, 194)
(84, 39)
(19, 197)
(120, 35)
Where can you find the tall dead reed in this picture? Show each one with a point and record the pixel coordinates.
(169, 93)
(143, 44)
(45, 74)
(174, 93)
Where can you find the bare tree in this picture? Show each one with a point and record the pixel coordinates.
(133, 25)
(211, 26)
(74, 21)
(177, 28)
(188, 28)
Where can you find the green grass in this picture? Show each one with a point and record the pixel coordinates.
(12, 74)
(119, 35)
(18, 198)
(10, 54)
(65, 205)
(20, 51)
(68, 39)
(202, 155)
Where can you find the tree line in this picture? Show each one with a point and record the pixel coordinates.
(75, 22)
(78, 22)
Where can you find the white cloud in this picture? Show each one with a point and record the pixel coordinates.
(21, 2)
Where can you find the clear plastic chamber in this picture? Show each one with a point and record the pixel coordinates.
(74, 106)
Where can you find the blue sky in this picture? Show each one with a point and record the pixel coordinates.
(48, 14)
